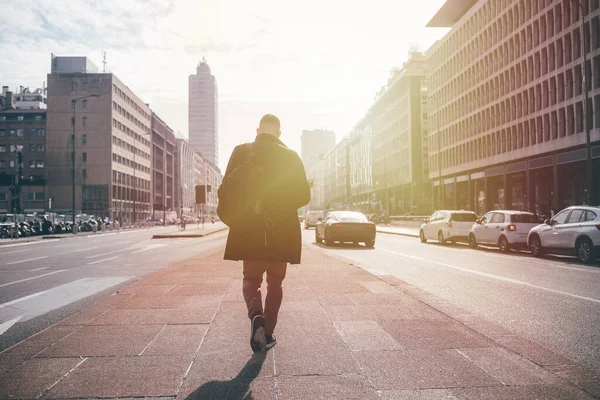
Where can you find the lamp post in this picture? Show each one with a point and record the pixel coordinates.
(439, 150)
(588, 147)
(73, 122)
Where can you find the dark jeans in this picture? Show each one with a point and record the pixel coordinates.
(253, 276)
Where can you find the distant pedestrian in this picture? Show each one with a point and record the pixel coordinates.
(264, 186)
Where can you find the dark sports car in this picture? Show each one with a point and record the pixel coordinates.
(345, 226)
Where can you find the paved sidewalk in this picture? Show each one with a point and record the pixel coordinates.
(343, 333)
(193, 231)
(397, 230)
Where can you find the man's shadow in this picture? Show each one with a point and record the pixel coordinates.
(236, 388)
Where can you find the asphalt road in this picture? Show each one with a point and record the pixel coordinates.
(554, 301)
(45, 281)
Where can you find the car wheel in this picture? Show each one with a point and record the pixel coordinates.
(328, 241)
(472, 241)
(503, 244)
(535, 246)
(370, 244)
(585, 251)
(422, 236)
(441, 238)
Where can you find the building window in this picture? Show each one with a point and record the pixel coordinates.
(20, 132)
(84, 121)
(40, 148)
(28, 196)
(84, 86)
(84, 173)
(12, 132)
(73, 86)
(12, 163)
(31, 131)
(41, 132)
(84, 157)
(2, 148)
(38, 117)
(83, 139)
(20, 118)
(39, 196)
(31, 163)
(72, 122)
(32, 147)
(2, 132)
(39, 163)
(84, 104)
(73, 103)
(2, 164)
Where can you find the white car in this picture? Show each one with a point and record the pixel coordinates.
(448, 225)
(573, 231)
(312, 218)
(503, 228)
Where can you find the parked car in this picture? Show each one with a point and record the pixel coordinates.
(312, 217)
(448, 225)
(346, 226)
(503, 228)
(573, 231)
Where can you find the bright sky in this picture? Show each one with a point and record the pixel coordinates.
(314, 63)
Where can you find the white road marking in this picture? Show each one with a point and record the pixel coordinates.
(30, 243)
(33, 277)
(6, 325)
(89, 248)
(106, 254)
(16, 251)
(31, 306)
(26, 260)
(151, 247)
(104, 259)
(37, 269)
(492, 276)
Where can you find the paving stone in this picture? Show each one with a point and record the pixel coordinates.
(584, 377)
(98, 341)
(173, 316)
(234, 389)
(482, 325)
(414, 334)
(122, 377)
(365, 335)
(177, 340)
(170, 301)
(417, 394)
(391, 298)
(421, 369)
(87, 315)
(530, 392)
(40, 341)
(343, 387)
(10, 361)
(334, 299)
(378, 287)
(225, 357)
(508, 367)
(200, 290)
(533, 351)
(313, 354)
(382, 312)
(34, 377)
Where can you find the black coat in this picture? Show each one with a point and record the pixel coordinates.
(284, 191)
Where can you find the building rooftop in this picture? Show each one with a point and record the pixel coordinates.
(450, 13)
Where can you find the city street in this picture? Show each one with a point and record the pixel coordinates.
(45, 281)
(554, 301)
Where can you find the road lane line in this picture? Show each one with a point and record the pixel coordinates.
(79, 251)
(6, 325)
(29, 259)
(106, 254)
(37, 269)
(12, 252)
(150, 247)
(30, 243)
(33, 277)
(104, 259)
(492, 276)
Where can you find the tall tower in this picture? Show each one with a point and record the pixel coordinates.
(203, 113)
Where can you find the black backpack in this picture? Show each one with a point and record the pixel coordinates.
(239, 194)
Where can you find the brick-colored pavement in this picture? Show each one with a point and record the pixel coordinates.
(343, 333)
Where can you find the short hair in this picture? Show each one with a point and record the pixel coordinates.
(270, 119)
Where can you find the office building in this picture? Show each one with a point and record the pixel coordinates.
(203, 113)
(113, 164)
(508, 126)
(164, 147)
(185, 173)
(22, 138)
(361, 177)
(314, 145)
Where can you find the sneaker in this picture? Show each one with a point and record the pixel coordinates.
(258, 342)
(271, 341)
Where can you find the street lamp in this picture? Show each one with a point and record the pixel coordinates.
(74, 104)
(439, 150)
(588, 146)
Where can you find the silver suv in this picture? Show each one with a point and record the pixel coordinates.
(573, 231)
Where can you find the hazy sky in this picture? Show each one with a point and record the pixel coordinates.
(314, 63)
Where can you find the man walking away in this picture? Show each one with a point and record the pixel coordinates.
(267, 236)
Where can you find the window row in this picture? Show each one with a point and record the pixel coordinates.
(22, 118)
(129, 163)
(20, 132)
(130, 102)
(127, 194)
(136, 137)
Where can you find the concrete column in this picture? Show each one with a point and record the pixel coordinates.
(528, 191)
(455, 193)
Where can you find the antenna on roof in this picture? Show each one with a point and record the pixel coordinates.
(104, 62)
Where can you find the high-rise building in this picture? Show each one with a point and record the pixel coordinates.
(112, 142)
(203, 113)
(508, 126)
(22, 138)
(315, 144)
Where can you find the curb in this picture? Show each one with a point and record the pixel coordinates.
(184, 236)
